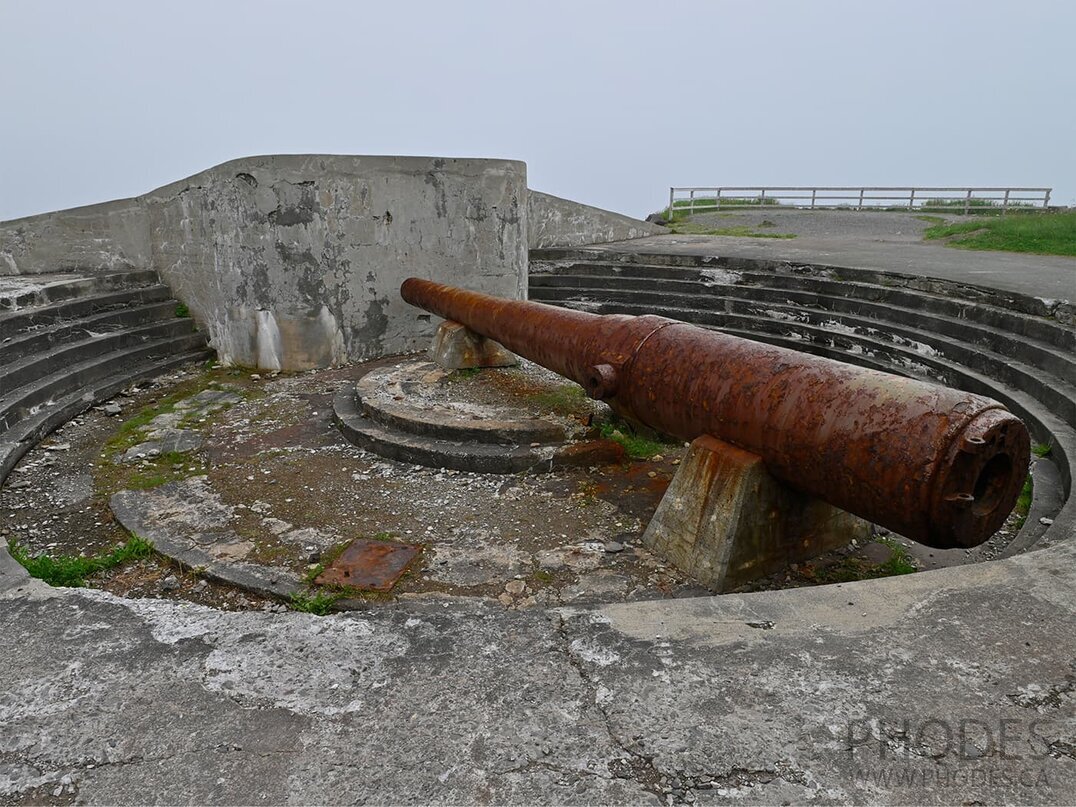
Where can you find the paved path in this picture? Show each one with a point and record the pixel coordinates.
(1045, 276)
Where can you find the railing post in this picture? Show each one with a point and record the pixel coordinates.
(813, 192)
(911, 198)
(762, 198)
(691, 202)
(861, 190)
(672, 195)
(717, 200)
(1005, 201)
(1046, 198)
(967, 202)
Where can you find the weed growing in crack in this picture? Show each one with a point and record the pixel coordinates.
(318, 603)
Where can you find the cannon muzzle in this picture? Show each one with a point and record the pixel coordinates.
(937, 465)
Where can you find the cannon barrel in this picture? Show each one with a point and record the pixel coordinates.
(937, 465)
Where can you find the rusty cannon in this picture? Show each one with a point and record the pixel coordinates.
(937, 465)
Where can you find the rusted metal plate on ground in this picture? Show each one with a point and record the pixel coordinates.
(368, 565)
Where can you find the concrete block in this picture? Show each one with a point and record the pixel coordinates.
(725, 520)
(455, 347)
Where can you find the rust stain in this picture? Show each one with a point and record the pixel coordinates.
(940, 466)
(369, 565)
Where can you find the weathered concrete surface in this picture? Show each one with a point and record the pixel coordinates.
(556, 222)
(456, 347)
(188, 522)
(293, 262)
(917, 689)
(111, 235)
(724, 521)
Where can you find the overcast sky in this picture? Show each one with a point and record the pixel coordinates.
(609, 103)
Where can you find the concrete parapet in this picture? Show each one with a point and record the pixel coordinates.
(725, 520)
(294, 262)
(556, 222)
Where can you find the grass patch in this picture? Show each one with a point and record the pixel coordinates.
(1040, 233)
(182, 310)
(1023, 502)
(635, 445)
(975, 207)
(681, 208)
(72, 570)
(1041, 449)
(318, 603)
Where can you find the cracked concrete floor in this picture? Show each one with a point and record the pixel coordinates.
(891, 691)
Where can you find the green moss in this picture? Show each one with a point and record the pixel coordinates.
(849, 569)
(72, 570)
(464, 374)
(543, 577)
(151, 473)
(567, 399)
(182, 310)
(1023, 502)
(635, 445)
(1041, 449)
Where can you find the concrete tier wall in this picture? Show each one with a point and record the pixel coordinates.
(293, 262)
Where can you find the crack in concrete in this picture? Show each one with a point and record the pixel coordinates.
(637, 767)
(674, 786)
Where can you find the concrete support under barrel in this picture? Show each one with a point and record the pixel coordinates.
(457, 347)
(725, 521)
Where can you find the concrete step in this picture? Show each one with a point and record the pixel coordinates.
(854, 297)
(39, 365)
(907, 346)
(48, 337)
(26, 401)
(406, 398)
(26, 433)
(557, 259)
(416, 449)
(22, 322)
(53, 289)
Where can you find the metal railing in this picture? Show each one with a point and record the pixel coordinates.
(946, 200)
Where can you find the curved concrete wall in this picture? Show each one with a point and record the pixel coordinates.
(293, 262)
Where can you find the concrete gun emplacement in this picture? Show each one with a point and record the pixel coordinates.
(936, 465)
